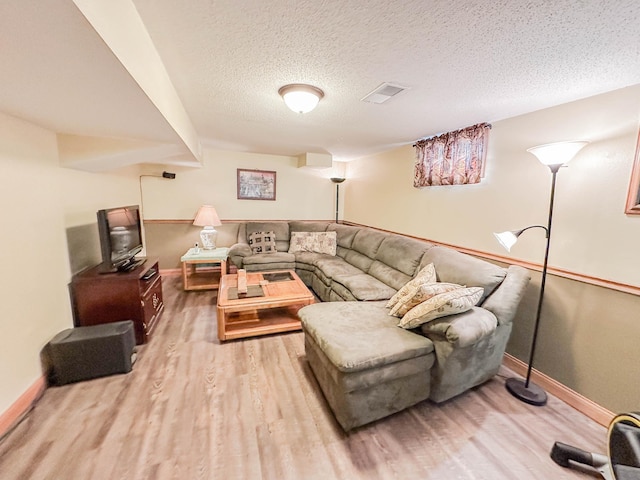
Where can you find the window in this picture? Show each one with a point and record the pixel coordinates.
(454, 158)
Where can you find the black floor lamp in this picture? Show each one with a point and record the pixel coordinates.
(554, 155)
(337, 181)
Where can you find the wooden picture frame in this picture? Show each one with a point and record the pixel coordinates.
(633, 196)
(256, 184)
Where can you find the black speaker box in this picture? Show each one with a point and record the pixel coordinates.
(82, 353)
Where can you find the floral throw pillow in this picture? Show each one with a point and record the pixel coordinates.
(426, 275)
(262, 242)
(421, 294)
(450, 303)
(317, 242)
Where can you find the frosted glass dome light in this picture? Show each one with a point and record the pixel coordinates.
(301, 98)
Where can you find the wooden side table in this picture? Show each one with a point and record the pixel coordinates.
(198, 268)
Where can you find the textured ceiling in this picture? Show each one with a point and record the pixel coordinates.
(463, 61)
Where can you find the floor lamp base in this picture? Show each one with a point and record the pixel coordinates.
(533, 394)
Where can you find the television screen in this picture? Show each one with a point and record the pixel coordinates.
(120, 236)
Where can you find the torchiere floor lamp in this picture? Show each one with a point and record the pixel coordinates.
(554, 155)
(337, 181)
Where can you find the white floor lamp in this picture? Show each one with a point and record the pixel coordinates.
(554, 155)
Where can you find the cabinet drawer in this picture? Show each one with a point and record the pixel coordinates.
(152, 306)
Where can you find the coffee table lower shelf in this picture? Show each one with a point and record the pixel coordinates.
(251, 323)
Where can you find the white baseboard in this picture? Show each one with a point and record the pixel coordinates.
(582, 404)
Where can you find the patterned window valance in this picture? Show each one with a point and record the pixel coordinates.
(454, 158)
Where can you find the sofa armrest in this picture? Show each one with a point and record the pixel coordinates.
(237, 253)
(463, 329)
(504, 301)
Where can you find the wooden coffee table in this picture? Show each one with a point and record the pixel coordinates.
(283, 294)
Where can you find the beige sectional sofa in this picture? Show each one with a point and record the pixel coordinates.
(367, 366)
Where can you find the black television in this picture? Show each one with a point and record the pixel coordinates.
(120, 238)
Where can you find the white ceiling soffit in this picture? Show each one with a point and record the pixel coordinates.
(119, 25)
(58, 73)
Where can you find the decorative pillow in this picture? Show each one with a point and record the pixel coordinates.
(262, 242)
(426, 275)
(317, 242)
(455, 301)
(421, 294)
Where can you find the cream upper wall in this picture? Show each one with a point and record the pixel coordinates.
(43, 205)
(33, 253)
(84, 193)
(590, 195)
(301, 193)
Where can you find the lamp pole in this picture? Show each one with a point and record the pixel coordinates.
(553, 155)
(337, 181)
(526, 391)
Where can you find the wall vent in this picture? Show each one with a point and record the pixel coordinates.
(383, 93)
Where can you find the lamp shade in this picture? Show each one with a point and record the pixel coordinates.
(507, 239)
(207, 217)
(301, 98)
(557, 153)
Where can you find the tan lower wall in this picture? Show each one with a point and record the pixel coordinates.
(170, 240)
(587, 339)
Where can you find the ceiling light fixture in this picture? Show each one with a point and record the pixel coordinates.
(301, 98)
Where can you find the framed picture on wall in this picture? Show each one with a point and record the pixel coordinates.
(256, 184)
(633, 196)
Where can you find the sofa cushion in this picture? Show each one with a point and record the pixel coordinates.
(421, 294)
(280, 229)
(262, 242)
(302, 226)
(463, 329)
(402, 253)
(317, 242)
(388, 275)
(356, 336)
(268, 258)
(456, 301)
(367, 241)
(358, 260)
(331, 267)
(364, 287)
(345, 234)
(426, 275)
(456, 267)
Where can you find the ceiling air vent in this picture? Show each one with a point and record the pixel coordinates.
(383, 93)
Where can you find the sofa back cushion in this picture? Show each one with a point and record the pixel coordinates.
(388, 275)
(397, 260)
(345, 234)
(280, 229)
(456, 267)
(301, 226)
(367, 242)
(402, 253)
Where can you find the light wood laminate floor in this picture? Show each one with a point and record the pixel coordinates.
(251, 409)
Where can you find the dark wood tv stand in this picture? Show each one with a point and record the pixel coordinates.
(136, 295)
